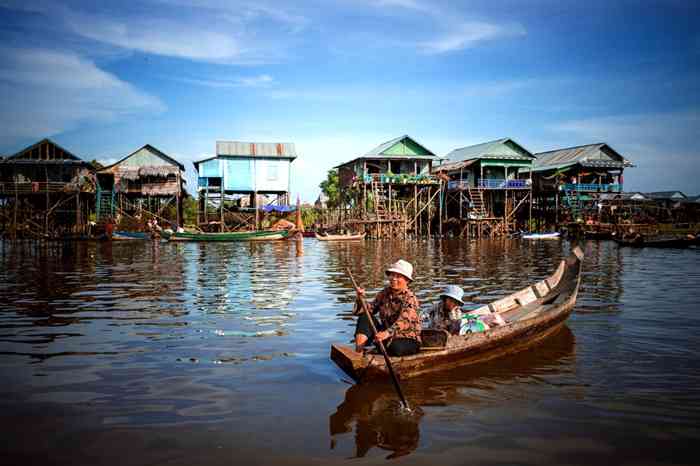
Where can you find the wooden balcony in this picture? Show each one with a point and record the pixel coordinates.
(591, 187)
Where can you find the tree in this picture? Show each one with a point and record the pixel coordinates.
(189, 207)
(96, 164)
(331, 188)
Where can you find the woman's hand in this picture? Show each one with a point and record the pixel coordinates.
(381, 336)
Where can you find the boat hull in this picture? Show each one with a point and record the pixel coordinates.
(340, 237)
(542, 236)
(531, 324)
(267, 235)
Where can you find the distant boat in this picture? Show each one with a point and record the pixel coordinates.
(130, 235)
(661, 241)
(340, 237)
(531, 314)
(262, 235)
(554, 235)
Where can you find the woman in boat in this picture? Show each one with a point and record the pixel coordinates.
(400, 324)
(446, 314)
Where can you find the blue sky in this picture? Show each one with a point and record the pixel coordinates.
(338, 77)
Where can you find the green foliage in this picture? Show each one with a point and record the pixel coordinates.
(189, 208)
(309, 216)
(97, 165)
(331, 188)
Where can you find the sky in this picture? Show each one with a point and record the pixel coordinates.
(339, 77)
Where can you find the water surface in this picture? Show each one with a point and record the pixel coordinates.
(157, 353)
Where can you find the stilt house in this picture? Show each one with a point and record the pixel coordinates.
(145, 183)
(260, 171)
(487, 184)
(571, 180)
(391, 189)
(45, 190)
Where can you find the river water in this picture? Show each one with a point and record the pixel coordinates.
(143, 353)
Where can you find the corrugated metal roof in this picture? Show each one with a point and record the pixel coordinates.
(598, 155)
(153, 150)
(379, 150)
(16, 157)
(670, 195)
(498, 149)
(453, 166)
(255, 149)
(634, 196)
(389, 157)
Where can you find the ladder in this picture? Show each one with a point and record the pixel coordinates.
(104, 204)
(573, 203)
(477, 198)
(380, 198)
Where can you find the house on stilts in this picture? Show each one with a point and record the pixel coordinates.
(390, 191)
(45, 191)
(146, 184)
(488, 188)
(241, 182)
(568, 183)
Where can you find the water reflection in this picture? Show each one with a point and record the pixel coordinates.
(372, 411)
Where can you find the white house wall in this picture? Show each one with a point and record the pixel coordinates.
(271, 175)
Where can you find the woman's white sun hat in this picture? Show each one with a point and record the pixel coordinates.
(401, 267)
(454, 292)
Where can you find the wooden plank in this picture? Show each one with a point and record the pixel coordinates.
(525, 296)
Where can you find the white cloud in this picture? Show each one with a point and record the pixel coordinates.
(259, 81)
(661, 146)
(468, 35)
(45, 92)
(496, 88)
(157, 36)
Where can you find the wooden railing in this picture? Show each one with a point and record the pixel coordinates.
(591, 187)
(9, 187)
(487, 183)
(401, 178)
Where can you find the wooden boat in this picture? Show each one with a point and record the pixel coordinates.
(531, 314)
(597, 234)
(640, 241)
(263, 235)
(554, 235)
(340, 237)
(130, 235)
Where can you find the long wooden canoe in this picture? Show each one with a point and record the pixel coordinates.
(554, 235)
(661, 241)
(263, 235)
(531, 314)
(130, 236)
(340, 237)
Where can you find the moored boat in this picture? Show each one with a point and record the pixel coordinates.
(339, 237)
(662, 241)
(262, 235)
(531, 315)
(130, 235)
(554, 235)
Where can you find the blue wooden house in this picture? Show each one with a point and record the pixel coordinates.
(260, 171)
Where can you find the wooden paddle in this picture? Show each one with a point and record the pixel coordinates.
(380, 344)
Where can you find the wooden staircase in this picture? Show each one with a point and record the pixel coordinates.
(380, 198)
(104, 204)
(477, 199)
(572, 201)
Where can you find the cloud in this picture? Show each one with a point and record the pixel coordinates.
(157, 36)
(222, 32)
(45, 92)
(468, 35)
(496, 89)
(660, 145)
(259, 81)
